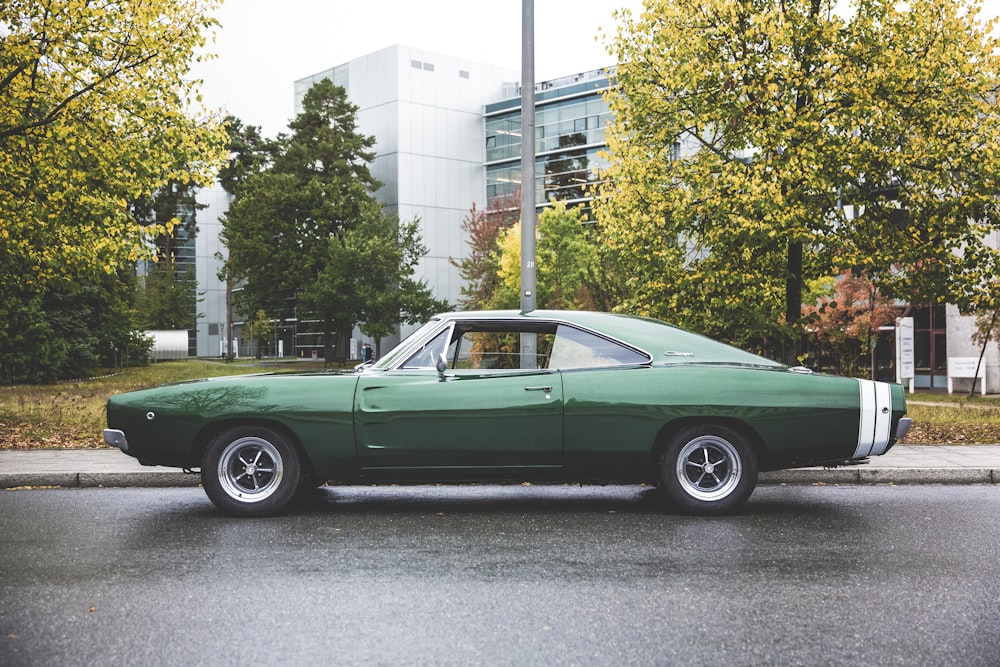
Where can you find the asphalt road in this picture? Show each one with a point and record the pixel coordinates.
(887, 575)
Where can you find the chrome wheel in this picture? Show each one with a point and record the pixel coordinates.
(709, 468)
(250, 469)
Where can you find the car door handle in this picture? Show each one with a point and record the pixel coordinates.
(547, 390)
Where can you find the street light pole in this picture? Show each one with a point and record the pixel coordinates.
(528, 359)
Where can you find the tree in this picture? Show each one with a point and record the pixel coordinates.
(566, 257)
(843, 315)
(95, 114)
(389, 252)
(987, 327)
(756, 146)
(257, 331)
(478, 268)
(286, 230)
(249, 154)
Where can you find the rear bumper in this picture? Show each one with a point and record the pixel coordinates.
(903, 427)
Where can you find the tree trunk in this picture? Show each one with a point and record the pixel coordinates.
(328, 341)
(793, 299)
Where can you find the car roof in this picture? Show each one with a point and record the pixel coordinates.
(665, 342)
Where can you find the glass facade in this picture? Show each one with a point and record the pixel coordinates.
(570, 118)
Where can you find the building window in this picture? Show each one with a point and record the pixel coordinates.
(416, 64)
(463, 74)
(491, 142)
(674, 153)
(429, 67)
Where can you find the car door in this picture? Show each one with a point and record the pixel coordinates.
(465, 420)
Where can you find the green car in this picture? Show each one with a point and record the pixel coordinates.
(509, 396)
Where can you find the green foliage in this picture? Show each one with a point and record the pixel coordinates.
(388, 253)
(307, 236)
(70, 333)
(249, 154)
(566, 260)
(94, 115)
(757, 146)
(167, 298)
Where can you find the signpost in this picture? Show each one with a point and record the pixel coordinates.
(905, 364)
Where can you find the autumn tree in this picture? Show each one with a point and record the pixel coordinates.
(758, 145)
(95, 113)
(257, 329)
(842, 316)
(478, 268)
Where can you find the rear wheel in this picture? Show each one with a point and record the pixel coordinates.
(708, 469)
(250, 471)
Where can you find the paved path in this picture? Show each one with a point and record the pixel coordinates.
(904, 464)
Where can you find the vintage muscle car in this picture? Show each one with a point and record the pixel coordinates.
(510, 396)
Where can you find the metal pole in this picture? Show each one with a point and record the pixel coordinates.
(528, 175)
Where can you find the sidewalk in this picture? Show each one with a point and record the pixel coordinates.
(904, 464)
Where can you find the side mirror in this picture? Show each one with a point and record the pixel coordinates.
(442, 365)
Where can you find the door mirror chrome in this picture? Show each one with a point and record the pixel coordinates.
(442, 365)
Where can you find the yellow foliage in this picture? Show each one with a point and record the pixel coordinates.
(740, 128)
(95, 112)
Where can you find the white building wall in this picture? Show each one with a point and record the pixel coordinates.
(425, 111)
(959, 332)
(211, 290)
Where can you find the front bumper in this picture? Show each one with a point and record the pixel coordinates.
(116, 438)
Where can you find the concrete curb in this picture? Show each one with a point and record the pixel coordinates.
(165, 478)
(882, 476)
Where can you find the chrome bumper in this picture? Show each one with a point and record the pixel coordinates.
(904, 427)
(116, 438)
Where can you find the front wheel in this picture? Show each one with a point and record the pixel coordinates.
(708, 470)
(250, 471)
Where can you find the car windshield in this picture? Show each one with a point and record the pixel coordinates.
(397, 351)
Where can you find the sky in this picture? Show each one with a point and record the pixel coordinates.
(263, 46)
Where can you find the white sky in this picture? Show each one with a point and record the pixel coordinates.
(263, 46)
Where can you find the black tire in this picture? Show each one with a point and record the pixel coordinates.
(708, 470)
(251, 471)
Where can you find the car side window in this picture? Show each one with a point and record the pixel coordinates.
(496, 349)
(427, 355)
(574, 348)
